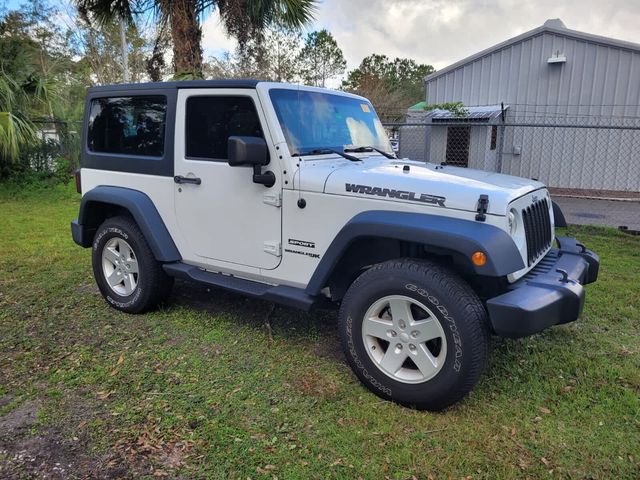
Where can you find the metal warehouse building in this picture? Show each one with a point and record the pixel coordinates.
(578, 95)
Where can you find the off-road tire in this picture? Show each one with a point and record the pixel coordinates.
(460, 312)
(153, 284)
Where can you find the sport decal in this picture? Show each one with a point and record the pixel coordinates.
(301, 243)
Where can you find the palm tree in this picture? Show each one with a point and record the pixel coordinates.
(16, 130)
(242, 19)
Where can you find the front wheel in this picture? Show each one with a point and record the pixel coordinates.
(414, 332)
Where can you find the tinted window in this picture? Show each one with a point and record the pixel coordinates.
(128, 125)
(212, 120)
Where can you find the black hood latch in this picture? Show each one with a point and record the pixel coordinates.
(483, 206)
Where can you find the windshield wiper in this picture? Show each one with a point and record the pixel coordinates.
(324, 151)
(370, 149)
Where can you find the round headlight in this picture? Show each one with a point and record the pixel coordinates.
(513, 221)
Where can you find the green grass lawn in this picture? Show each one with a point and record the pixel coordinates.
(199, 389)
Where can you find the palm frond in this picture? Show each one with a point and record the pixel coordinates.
(105, 11)
(246, 19)
(16, 132)
(8, 92)
(294, 13)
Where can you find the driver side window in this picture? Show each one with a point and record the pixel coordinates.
(210, 121)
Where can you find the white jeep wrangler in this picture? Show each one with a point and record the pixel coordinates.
(293, 194)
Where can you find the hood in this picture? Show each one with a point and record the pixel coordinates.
(414, 182)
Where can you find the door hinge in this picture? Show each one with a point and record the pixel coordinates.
(274, 199)
(273, 248)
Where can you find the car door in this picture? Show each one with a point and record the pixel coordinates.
(224, 216)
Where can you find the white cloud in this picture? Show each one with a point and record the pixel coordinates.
(214, 39)
(441, 32)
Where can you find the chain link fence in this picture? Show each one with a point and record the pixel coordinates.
(58, 146)
(55, 152)
(591, 164)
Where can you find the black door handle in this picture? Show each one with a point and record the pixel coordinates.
(181, 179)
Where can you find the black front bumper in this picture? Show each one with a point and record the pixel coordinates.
(552, 293)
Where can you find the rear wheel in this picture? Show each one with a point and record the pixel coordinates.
(128, 275)
(414, 332)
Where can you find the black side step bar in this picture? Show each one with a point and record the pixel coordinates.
(281, 294)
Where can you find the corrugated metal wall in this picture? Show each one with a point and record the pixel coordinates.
(598, 85)
(596, 80)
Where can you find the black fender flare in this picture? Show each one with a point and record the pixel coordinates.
(141, 208)
(455, 235)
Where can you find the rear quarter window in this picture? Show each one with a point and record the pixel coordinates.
(128, 125)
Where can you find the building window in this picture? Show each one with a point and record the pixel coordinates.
(128, 125)
(210, 121)
(458, 146)
(494, 137)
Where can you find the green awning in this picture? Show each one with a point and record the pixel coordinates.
(419, 106)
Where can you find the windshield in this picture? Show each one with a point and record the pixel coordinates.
(316, 121)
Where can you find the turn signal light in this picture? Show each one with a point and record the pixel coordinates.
(479, 259)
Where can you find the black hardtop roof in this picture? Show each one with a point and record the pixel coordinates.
(175, 85)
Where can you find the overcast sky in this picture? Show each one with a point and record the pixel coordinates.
(441, 32)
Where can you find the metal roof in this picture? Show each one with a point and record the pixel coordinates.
(474, 113)
(482, 114)
(555, 26)
(176, 85)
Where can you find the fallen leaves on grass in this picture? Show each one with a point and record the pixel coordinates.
(103, 395)
(266, 469)
(150, 446)
(233, 392)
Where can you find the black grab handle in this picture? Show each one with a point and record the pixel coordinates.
(181, 179)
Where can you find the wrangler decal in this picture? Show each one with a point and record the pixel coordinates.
(392, 193)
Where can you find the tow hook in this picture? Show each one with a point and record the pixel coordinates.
(565, 275)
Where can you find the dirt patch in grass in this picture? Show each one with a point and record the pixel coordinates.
(330, 348)
(314, 384)
(24, 453)
(89, 288)
(31, 450)
(18, 420)
(50, 455)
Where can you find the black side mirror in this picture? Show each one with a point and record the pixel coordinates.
(247, 151)
(251, 151)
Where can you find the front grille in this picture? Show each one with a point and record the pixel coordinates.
(537, 229)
